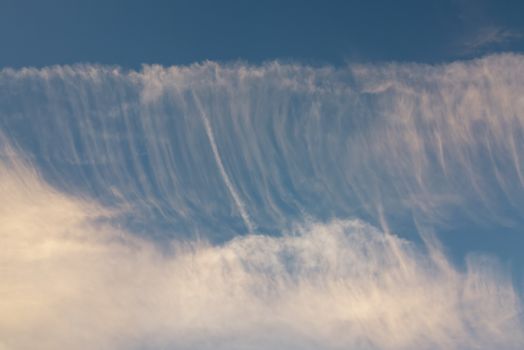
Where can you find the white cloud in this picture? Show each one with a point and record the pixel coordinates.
(70, 282)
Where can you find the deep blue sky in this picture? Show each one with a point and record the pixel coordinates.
(132, 32)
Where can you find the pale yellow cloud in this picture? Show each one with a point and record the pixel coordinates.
(69, 281)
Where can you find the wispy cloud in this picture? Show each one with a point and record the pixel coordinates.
(489, 37)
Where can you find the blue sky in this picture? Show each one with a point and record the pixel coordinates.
(129, 33)
(261, 174)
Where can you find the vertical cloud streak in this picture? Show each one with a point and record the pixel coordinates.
(236, 198)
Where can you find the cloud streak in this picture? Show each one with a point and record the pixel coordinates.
(489, 36)
(238, 202)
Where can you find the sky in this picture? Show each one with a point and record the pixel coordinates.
(131, 33)
(261, 174)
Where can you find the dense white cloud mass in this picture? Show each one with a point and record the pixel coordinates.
(191, 156)
(69, 281)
